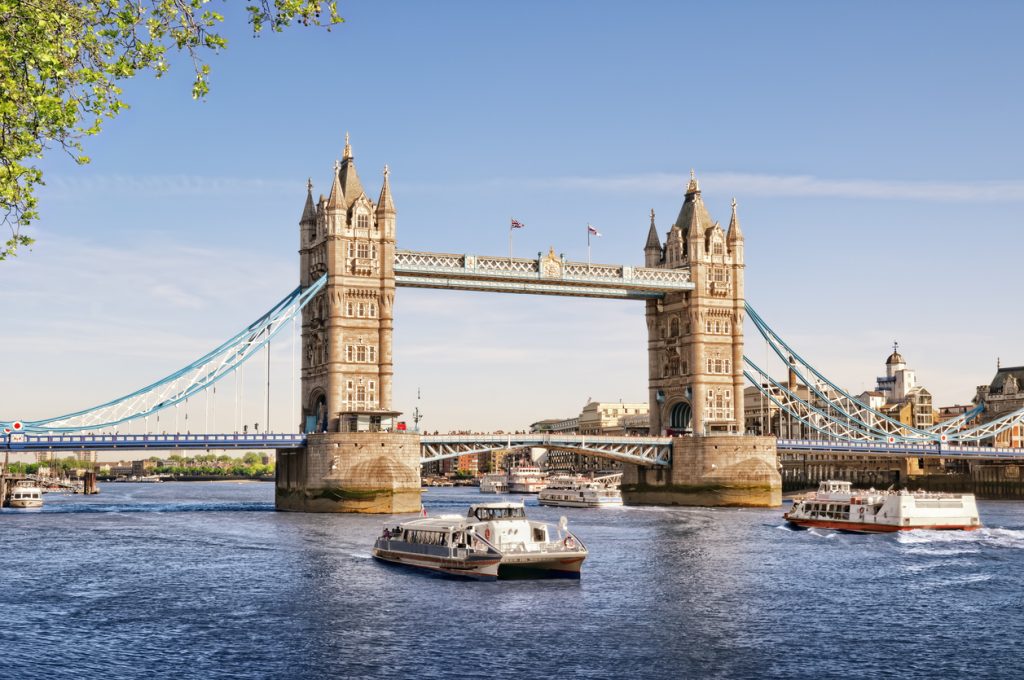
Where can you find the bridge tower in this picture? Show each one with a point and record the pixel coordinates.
(695, 369)
(355, 460)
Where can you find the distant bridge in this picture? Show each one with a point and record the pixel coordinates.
(646, 451)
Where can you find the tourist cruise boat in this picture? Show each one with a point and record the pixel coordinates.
(526, 479)
(493, 540)
(577, 491)
(443, 544)
(25, 494)
(494, 482)
(836, 506)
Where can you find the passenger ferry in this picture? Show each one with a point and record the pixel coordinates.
(493, 540)
(444, 544)
(577, 491)
(526, 479)
(494, 482)
(836, 506)
(25, 494)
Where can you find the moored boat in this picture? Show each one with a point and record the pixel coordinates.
(25, 494)
(836, 505)
(494, 482)
(577, 491)
(526, 479)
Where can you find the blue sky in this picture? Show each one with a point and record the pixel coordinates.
(874, 149)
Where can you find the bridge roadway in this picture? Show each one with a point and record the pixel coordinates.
(546, 275)
(650, 451)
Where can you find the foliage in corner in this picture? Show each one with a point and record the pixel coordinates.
(61, 62)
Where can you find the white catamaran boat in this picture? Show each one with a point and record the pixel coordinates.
(493, 540)
(526, 479)
(494, 482)
(836, 506)
(25, 494)
(577, 491)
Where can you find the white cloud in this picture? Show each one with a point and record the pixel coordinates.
(753, 184)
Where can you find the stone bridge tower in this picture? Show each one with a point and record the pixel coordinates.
(695, 371)
(695, 338)
(346, 329)
(355, 459)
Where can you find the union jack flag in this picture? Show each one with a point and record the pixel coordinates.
(592, 230)
(516, 224)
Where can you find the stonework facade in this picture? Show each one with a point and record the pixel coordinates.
(347, 327)
(695, 338)
(733, 470)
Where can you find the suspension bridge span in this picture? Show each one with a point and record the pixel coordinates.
(346, 453)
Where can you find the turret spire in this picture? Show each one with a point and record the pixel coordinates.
(336, 201)
(734, 226)
(653, 241)
(384, 204)
(693, 187)
(349, 177)
(308, 211)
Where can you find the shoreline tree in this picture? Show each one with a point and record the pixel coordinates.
(61, 62)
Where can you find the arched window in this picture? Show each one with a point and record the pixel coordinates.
(673, 327)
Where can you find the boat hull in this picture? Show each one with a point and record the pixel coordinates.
(479, 569)
(566, 566)
(872, 528)
(25, 504)
(565, 503)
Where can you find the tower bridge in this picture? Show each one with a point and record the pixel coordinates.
(347, 454)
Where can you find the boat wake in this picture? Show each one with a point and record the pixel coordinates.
(959, 542)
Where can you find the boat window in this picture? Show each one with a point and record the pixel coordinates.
(486, 514)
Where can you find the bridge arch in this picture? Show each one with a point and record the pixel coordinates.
(680, 416)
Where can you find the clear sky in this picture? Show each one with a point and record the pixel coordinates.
(874, 149)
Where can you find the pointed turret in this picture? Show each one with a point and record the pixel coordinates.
(652, 249)
(693, 210)
(349, 177)
(336, 201)
(734, 226)
(308, 211)
(385, 206)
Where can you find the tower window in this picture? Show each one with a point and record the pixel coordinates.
(363, 221)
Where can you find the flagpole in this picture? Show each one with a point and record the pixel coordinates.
(588, 245)
(510, 240)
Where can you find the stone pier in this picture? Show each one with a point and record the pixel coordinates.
(366, 472)
(716, 470)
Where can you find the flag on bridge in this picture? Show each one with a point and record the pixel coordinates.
(592, 230)
(516, 224)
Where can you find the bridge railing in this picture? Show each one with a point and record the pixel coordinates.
(150, 441)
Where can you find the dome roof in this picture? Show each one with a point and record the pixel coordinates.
(895, 358)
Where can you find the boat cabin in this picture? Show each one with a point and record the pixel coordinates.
(496, 511)
(834, 486)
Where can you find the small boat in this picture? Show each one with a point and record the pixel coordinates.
(494, 482)
(577, 491)
(25, 494)
(493, 540)
(526, 479)
(836, 506)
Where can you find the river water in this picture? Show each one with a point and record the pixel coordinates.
(205, 580)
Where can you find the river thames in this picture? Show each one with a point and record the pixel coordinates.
(205, 580)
